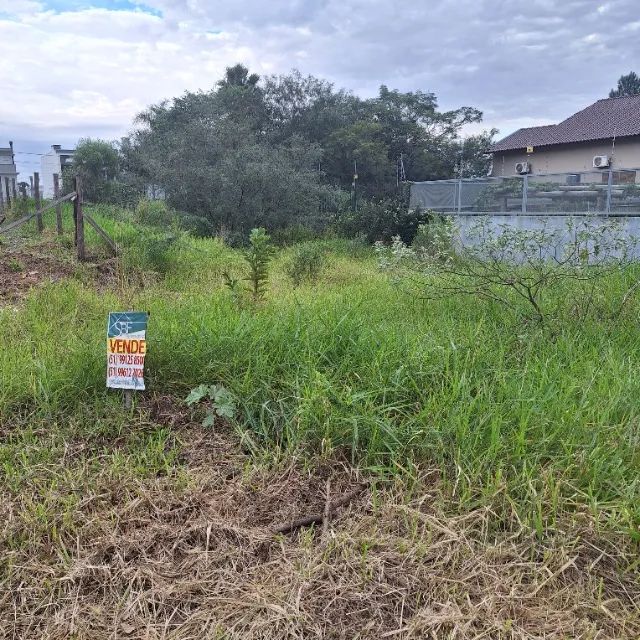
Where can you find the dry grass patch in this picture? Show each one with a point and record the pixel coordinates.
(192, 554)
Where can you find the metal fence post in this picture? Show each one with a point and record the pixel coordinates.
(609, 189)
(459, 196)
(525, 189)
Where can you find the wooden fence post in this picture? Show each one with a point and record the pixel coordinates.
(36, 186)
(6, 188)
(14, 190)
(79, 219)
(56, 195)
(31, 186)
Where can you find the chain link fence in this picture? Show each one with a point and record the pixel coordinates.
(608, 192)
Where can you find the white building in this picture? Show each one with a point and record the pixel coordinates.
(54, 161)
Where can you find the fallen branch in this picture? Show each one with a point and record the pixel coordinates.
(319, 517)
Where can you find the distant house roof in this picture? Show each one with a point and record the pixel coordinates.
(56, 148)
(605, 119)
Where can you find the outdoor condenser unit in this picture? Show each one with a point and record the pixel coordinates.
(523, 167)
(600, 162)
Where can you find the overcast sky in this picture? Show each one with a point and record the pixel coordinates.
(73, 68)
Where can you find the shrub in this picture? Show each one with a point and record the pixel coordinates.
(153, 213)
(151, 251)
(293, 234)
(305, 263)
(383, 220)
(514, 266)
(434, 238)
(197, 226)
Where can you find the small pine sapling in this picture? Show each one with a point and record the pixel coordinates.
(258, 257)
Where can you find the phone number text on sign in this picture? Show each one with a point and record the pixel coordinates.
(126, 350)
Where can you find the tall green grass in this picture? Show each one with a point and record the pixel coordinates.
(531, 420)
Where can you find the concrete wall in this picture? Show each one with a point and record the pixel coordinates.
(571, 158)
(630, 226)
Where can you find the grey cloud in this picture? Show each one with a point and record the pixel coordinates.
(521, 63)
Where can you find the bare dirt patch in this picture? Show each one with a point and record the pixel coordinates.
(194, 555)
(21, 270)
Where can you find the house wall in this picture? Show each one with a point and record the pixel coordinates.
(571, 158)
(8, 170)
(49, 164)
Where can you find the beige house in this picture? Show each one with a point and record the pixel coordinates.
(603, 137)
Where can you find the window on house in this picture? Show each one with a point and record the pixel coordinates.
(619, 177)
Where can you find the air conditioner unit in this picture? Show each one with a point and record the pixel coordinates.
(601, 162)
(523, 167)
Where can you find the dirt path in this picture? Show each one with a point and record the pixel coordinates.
(22, 268)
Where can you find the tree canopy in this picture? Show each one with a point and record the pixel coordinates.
(97, 162)
(628, 85)
(271, 151)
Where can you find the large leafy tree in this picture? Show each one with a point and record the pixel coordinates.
(377, 134)
(279, 150)
(628, 85)
(213, 157)
(97, 162)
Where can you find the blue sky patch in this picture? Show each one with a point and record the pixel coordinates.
(111, 5)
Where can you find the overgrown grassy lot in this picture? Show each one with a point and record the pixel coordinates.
(500, 456)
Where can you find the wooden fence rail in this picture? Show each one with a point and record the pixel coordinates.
(102, 233)
(78, 217)
(38, 212)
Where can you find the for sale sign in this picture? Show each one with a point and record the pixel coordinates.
(126, 349)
